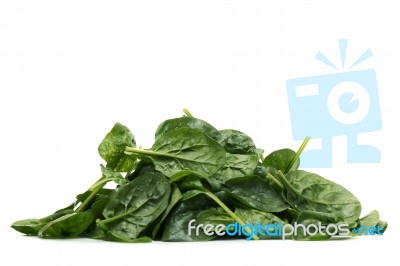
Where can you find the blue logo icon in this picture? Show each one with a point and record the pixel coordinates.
(344, 103)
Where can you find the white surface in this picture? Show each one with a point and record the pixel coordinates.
(70, 69)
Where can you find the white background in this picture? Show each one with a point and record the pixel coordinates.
(70, 69)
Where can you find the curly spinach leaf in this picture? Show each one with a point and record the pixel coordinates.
(112, 149)
(134, 206)
(306, 191)
(185, 149)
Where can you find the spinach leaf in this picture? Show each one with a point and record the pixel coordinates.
(134, 206)
(176, 225)
(176, 196)
(256, 193)
(33, 226)
(69, 225)
(383, 225)
(214, 216)
(112, 149)
(306, 191)
(144, 166)
(188, 180)
(236, 142)
(187, 122)
(29, 226)
(371, 219)
(280, 160)
(185, 149)
(260, 170)
(214, 221)
(98, 207)
(241, 155)
(237, 165)
(111, 175)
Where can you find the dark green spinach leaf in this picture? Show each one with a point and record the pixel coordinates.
(69, 225)
(187, 122)
(306, 191)
(134, 206)
(237, 165)
(256, 193)
(280, 160)
(185, 149)
(33, 226)
(236, 142)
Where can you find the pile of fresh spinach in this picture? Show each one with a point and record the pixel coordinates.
(194, 171)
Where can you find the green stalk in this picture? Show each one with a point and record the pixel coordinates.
(86, 202)
(146, 152)
(298, 153)
(95, 188)
(152, 153)
(276, 181)
(112, 219)
(187, 113)
(231, 214)
(100, 182)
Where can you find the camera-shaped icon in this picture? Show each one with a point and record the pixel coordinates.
(344, 103)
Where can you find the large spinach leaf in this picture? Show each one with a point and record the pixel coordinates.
(176, 196)
(306, 191)
(134, 206)
(255, 192)
(185, 149)
(237, 165)
(176, 225)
